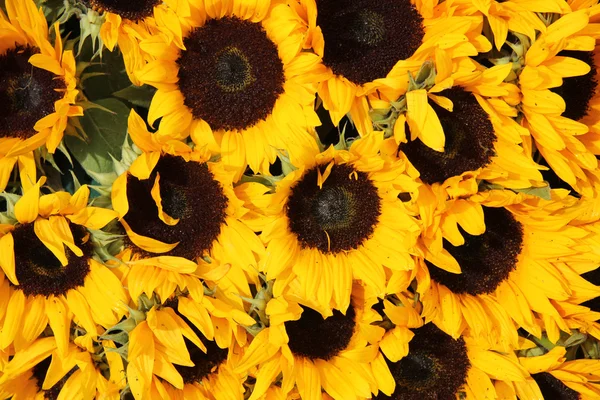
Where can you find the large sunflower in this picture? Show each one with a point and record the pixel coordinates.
(37, 89)
(558, 84)
(41, 372)
(127, 23)
(338, 218)
(49, 284)
(461, 130)
(242, 86)
(369, 47)
(191, 348)
(178, 208)
(552, 377)
(494, 262)
(332, 354)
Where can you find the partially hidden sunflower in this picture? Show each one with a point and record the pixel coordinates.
(37, 89)
(48, 284)
(336, 219)
(193, 350)
(498, 261)
(301, 348)
(509, 16)
(466, 133)
(553, 377)
(370, 47)
(437, 366)
(241, 86)
(40, 372)
(125, 24)
(182, 214)
(558, 85)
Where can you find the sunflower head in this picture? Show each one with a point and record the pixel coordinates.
(363, 40)
(436, 367)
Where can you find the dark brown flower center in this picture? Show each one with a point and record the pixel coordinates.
(39, 272)
(469, 136)
(364, 39)
(27, 93)
(578, 91)
(435, 368)
(553, 388)
(189, 192)
(230, 73)
(339, 216)
(485, 260)
(133, 10)
(313, 336)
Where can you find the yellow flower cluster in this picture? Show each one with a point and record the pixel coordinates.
(323, 199)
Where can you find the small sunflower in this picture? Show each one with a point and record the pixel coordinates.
(558, 85)
(49, 284)
(177, 208)
(369, 47)
(582, 310)
(510, 16)
(37, 89)
(41, 372)
(127, 23)
(494, 263)
(552, 377)
(331, 354)
(436, 366)
(336, 219)
(466, 133)
(190, 349)
(241, 86)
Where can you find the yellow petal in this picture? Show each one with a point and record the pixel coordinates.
(7, 257)
(26, 209)
(13, 319)
(44, 231)
(141, 360)
(146, 243)
(171, 263)
(30, 357)
(119, 195)
(155, 192)
(59, 319)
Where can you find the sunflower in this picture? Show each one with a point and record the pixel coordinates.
(184, 208)
(41, 372)
(125, 24)
(336, 219)
(358, 41)
(514, 16)
(333, 354)
(240, 85)
(192, 347)
(466, 133)
(495, 262)
(582, 310)
(437, 366)
(557, 79)
(49, 284)
(37, 89)
(552, 377)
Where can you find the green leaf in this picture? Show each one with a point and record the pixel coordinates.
(101, 79)
(105, 135)
(137, 95)
(542, 192)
